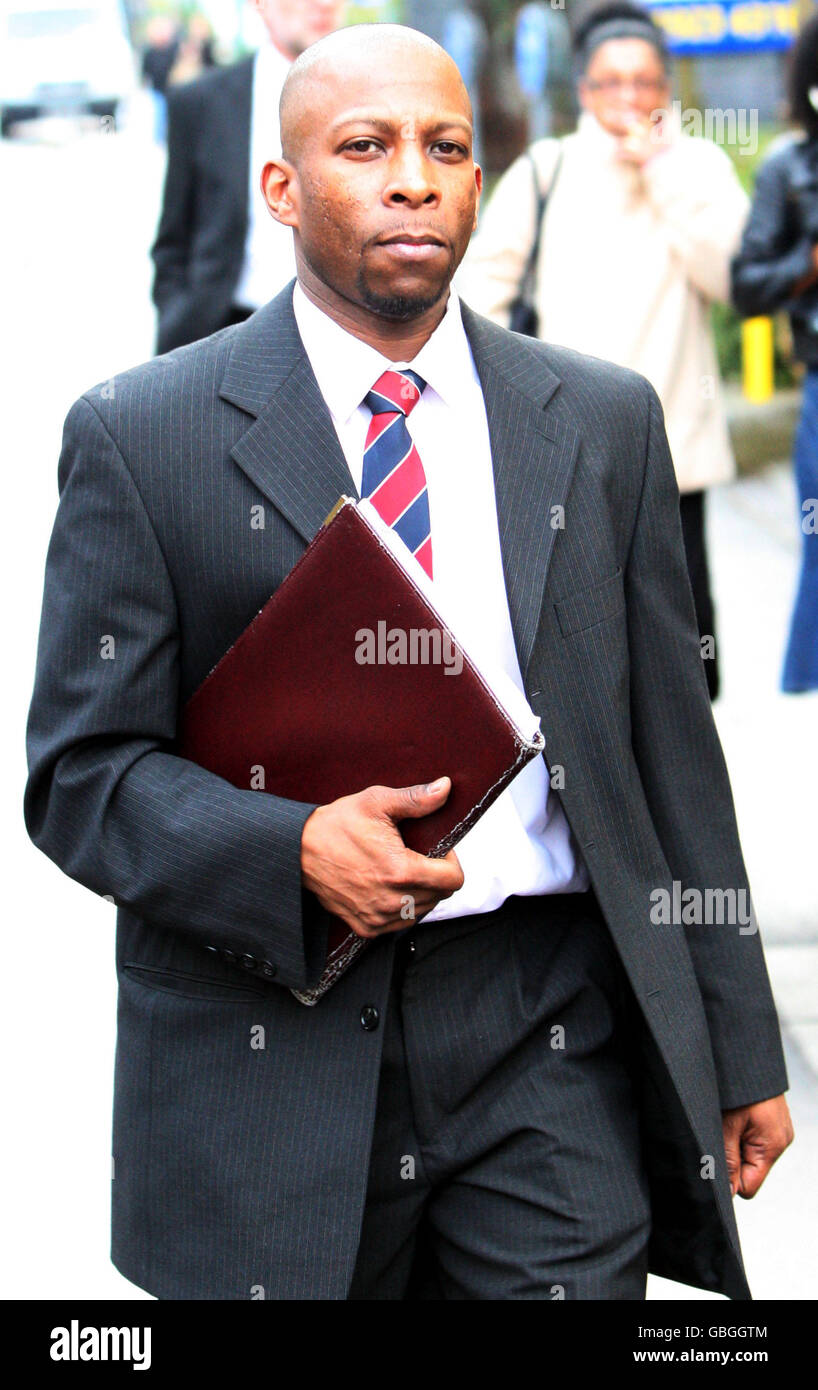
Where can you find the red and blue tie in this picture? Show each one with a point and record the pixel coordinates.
(393, 476)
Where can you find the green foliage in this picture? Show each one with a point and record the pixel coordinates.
(727, 331)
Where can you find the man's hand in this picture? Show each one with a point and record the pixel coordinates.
(354, 860)
(754, 1137)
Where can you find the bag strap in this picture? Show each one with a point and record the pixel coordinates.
(530, 272)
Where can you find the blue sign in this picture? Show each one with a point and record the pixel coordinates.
(531, 48)
(726, 26)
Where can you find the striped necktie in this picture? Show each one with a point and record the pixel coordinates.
(393, 477)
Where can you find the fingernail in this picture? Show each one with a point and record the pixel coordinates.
(434, 787)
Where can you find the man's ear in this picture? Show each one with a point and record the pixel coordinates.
(279, 186)
(478, 183)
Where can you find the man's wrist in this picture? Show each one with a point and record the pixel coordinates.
(307, 852)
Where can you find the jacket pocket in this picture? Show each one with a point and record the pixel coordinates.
(585, 609)
(190, 985)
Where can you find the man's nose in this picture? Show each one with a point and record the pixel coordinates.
(412, 179)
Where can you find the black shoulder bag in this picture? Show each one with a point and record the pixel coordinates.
(523, 314)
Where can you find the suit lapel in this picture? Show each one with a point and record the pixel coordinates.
(291, 451)
(533, 455)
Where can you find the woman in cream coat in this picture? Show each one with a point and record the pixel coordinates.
(636, 243)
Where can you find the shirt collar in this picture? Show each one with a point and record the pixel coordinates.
(346, 367)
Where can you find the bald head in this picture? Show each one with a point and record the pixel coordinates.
(362, 63)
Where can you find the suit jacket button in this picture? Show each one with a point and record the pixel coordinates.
(267, 968)
(214, 949)
(369, 1017)
(228, 954)
(249, 962)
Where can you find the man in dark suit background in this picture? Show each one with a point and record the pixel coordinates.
(546, 1086)
(216, 256)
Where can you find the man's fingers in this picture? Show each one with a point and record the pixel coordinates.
(732, 1153)
(405, 911)
(442, 877)
(753, 1172)
(408, 803)
(412, 904)
(758, 1154)
(756, 1161)
(754, 1137)
(454, 863)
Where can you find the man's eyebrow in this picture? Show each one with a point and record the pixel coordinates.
(387, 125)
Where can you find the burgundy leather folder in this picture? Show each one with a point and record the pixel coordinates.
(348, 678)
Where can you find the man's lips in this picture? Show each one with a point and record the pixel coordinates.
(412, 247)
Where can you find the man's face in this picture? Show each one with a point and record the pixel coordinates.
(294, 24)
(624, 83)
(384, 188)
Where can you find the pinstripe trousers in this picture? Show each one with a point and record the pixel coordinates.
(506, 1160)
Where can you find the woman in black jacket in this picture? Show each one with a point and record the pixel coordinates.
(777, 267)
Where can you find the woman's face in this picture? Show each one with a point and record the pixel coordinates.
(623, 84)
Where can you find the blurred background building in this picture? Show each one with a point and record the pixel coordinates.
(60, 55)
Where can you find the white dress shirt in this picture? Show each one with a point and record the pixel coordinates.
(522, 844)
(269, 258)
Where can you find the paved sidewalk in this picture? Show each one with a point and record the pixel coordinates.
(771, 745)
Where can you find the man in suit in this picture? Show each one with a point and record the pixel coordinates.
(560, 1073)
(216, 255)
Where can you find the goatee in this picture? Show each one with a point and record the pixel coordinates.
(399, 307)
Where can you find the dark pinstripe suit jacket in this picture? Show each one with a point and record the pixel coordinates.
(240, 1166)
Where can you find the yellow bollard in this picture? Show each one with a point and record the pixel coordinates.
(757, 359)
